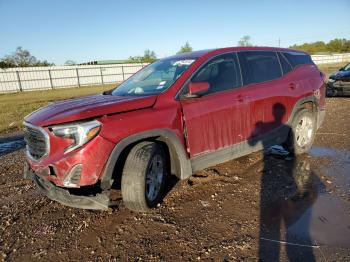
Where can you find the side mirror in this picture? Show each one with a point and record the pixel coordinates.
(197, 89)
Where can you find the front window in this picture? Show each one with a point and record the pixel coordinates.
(154, 78)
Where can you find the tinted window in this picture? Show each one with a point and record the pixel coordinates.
(286, 66)
(221, 73)
(259, 66)
(296, 58)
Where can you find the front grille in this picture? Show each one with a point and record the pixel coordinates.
(37, 141)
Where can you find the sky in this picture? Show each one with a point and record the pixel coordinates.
(88, 30)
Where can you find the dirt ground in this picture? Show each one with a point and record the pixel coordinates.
(261, 206)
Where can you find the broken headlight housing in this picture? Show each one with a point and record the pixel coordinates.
(78, 134)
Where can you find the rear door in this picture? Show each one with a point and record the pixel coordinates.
(262, 77)
(217, 119)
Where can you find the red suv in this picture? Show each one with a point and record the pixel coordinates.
(174, 117)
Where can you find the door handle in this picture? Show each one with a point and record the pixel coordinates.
(241, 98)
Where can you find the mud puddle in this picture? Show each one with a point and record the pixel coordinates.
(11, 144)
(338, 169)
(316, 212)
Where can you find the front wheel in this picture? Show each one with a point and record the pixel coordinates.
(330, 92)
(302, 133)
(143, 177)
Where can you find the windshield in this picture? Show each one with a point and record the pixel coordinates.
(347, 67)
(154, 78)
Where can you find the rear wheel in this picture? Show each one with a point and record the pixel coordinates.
(144, 175)
(302, 134)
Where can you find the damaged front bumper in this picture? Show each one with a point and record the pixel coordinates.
(98, 201)
(338, 88)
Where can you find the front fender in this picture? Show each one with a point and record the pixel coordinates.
(180, 163)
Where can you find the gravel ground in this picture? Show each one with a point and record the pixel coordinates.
(258, 206)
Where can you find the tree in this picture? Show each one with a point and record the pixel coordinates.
(70, 63)
(185, 48)
(333, 46)
(148, 57)
(245, 41)
(22, 58)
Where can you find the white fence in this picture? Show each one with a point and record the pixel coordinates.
(54, 77)
(330, 59)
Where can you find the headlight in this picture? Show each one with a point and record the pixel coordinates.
(79, 133)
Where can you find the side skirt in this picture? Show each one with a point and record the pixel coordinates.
(277, 136)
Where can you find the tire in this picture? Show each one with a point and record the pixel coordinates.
(302, 133)
(145, 166)
(330, 92)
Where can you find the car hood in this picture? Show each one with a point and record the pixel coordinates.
(339, 74)
(87, 107)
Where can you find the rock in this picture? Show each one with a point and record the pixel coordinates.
(12, 124)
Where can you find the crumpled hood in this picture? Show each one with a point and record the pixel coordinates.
(87, 107)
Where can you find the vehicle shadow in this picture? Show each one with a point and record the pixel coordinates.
(288, 190)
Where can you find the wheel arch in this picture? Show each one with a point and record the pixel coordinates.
(179, 162)
(308, 102)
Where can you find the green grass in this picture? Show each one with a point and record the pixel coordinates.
(15, 106)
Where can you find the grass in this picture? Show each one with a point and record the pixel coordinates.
(330, 68)
(15, 106)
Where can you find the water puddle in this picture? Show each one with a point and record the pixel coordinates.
(338, 170)
(325, 222)
(316, 211)
(317, 151)
(11, 144)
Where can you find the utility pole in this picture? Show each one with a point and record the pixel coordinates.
(279, 42)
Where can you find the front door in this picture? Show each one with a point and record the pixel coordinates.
(217, 119)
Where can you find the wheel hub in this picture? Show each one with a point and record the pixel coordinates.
(304, 131)
(154, 177)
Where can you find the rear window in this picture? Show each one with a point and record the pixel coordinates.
(297, 58)
(259, 66)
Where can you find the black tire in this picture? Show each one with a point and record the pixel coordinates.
(293, 143)
(135, 190)
(330, 92)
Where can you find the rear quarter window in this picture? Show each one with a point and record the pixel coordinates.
(298, 58)
(286, 66)
(259, 66)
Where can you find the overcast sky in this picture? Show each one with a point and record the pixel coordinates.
(85, 30)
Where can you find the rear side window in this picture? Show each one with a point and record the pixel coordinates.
(259, 66)
(221, 73)
(286, 66)
(297, 58)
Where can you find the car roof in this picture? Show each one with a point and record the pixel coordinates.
(200, 53)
